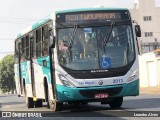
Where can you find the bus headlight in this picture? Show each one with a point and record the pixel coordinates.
(133, 76)
(65, 81)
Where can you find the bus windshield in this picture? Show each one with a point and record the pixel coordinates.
(86, 51)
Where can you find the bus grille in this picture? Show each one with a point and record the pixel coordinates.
(98, 75)
(91, 93)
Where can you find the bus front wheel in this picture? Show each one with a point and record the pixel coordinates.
(116, 103)
(56, 106)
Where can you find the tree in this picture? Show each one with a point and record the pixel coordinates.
(7, 82)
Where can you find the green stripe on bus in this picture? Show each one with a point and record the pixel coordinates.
(19, 35)
(41, 22)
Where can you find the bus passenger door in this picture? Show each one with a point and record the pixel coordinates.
(40, 63)
(17, 67)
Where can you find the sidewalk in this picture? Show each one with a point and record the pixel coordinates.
(150, 90)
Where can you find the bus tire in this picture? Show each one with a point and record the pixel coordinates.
(84, 103)
(46, 92)
(29, 102)
(116, 103)
(56, 106)
(38, 103)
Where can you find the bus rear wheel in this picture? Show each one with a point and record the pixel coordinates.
(29, 102)
(116, 103)
(38, 103)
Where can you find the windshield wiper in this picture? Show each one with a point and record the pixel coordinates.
(71, 41)
(73, 36)
(106, 38)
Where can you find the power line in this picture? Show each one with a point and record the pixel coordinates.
(6, 52)
(17, 20)
(6, 39)
(20, 18)
(10, 22)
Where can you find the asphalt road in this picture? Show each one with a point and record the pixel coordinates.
(132, 108)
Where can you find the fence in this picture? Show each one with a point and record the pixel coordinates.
(147, 47)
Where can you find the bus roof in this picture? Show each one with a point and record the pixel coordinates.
(51, 16)
(89, 9)
(34, 26)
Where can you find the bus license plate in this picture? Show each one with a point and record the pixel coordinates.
(101, 95)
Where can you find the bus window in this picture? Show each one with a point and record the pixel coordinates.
(23, 49)
(16, 51)
(33, 39)
(38, 43)
(45, 40)
(27, 47)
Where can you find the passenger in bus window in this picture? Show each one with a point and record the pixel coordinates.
(63, 49)
(62, 46)
(44, 48)
(88, 45)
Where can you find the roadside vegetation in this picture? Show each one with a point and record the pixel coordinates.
(7, 81)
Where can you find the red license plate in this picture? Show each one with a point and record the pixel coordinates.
(101, 95)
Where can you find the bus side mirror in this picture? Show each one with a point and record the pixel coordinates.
(51, 37)
(138, 30)
(51, 40)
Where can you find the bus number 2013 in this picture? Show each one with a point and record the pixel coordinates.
(117, 81)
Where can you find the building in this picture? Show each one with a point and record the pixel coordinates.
(147, 14)
(149, 66)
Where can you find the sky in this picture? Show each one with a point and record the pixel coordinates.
(16, 15)
(157, 3)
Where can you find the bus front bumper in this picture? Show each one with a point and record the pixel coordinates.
(66, 94)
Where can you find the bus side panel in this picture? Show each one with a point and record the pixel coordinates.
(29, 86)
(42, 71)
(131, 89)
(17, 80)
(26, 77)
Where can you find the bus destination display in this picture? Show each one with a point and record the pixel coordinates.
(92, 17)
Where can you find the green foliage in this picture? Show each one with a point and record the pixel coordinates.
(7, 82)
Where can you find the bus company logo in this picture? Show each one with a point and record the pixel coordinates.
(6, 114)
(100, 82)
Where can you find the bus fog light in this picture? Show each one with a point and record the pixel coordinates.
(65, 81)
(133, 76)
(66, 93)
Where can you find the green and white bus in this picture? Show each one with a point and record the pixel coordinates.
(78, 56)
